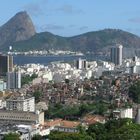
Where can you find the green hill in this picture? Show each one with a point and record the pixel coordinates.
(91, 41)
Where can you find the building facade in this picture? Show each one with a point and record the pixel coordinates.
(116, 54)
(6, 64)
(123, 113)
(2, 85)
(21, 103)
(21, 117)
(13, 80)
(126, 113)
(81, 64)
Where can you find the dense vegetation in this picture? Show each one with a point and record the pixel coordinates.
(37, 95)
(122, 129)
(68, 136)
(11, 136)
(76, 111)
(26, 79)
(134, 92)
(37, 137)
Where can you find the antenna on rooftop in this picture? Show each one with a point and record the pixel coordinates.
(10, 49)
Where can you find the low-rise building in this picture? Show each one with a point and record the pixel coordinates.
(63, 125)
(25, 132)
(21, 117)
(92, 119)
(123, 113)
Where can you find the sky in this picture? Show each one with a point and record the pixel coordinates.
(73, 17)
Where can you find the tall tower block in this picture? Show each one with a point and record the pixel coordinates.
(116, 54)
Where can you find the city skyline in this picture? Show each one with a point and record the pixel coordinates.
(69, 18)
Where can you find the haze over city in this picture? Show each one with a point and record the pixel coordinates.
(73, 17)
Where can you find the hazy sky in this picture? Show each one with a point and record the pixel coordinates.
(72, 17)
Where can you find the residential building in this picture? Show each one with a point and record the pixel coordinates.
(6, 64)
(116, 54)
(63, 125)
(25, 132)
(123, 113)
(21, 117)
(127, 113)
(2, 85)
(81, 64)
(21, 103)
(92, 119)
(13, 80)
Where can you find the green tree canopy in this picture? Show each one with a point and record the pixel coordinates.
(134, 92)
(27, 78)
(12, 136)
(37, 137)
(97, 131)
(37, 95)
(68, 136)
(126, 132)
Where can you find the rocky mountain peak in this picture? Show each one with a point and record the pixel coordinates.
(18, 28)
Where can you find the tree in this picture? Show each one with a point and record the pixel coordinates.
(27, 78)
(37, 137)
(97, 131)
(11, 136)
(101, 108)
(33, 76)
(134, 92)
(121, 129)
(67, 81)
(126, 132)
(37, 95)
(92, 78)
(114, 124)
(68, 136)
(81, 129)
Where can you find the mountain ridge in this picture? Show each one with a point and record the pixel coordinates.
(25, 38)
(91, 41)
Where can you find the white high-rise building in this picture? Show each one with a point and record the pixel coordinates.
(116, 54)
(81, 64)
(13, 80)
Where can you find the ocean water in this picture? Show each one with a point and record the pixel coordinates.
(45, 60)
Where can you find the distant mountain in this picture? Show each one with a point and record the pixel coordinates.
(19, 32)
(41, 41)
(19, 27)
(92, 41)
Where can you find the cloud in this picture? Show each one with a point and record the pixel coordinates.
(34, 9)
(72, 26)
(134, 20)
(83, 28)
(69, 9)
(51, 27)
